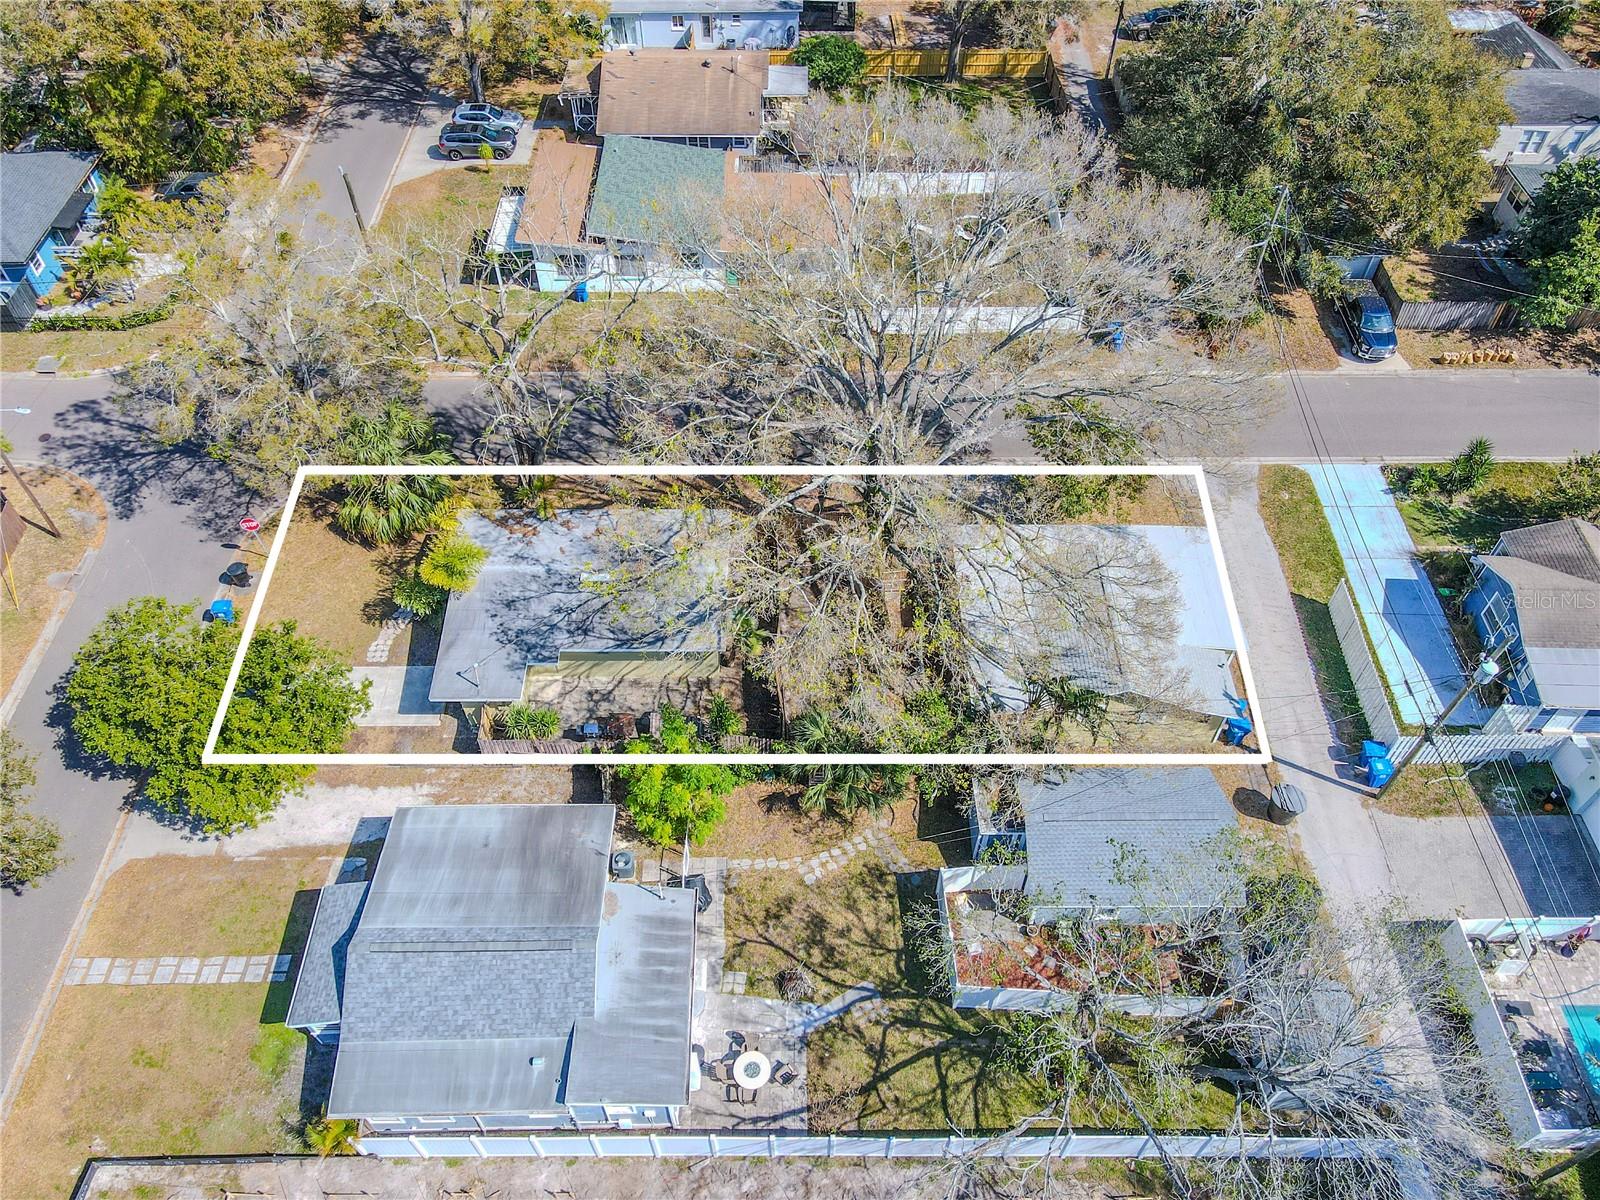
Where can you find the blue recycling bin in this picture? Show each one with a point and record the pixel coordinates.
(1376, 764)
(1117, 336)
(221, 610)
(580, 292)
(1236, 729)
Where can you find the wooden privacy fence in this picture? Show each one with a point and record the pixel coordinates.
(930, 64)
(1444, 314)
(1371, 693)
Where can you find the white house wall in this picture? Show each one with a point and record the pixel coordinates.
(1560, 143)
(655, 31)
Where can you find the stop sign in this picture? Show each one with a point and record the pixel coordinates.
(249, 524)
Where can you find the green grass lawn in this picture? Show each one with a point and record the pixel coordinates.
(1474, 521)
(1427, 790)
(1311, 563)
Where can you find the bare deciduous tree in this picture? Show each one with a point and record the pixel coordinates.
(290, 343)
(1323, 1024)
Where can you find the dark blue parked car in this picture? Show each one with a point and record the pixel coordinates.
(1370, 325)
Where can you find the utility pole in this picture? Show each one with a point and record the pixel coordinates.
(1115, 30)
(350, 190)
(1486, 672)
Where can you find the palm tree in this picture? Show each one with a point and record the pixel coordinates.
(327, 1136)
(391, 508)
(1059, 702)
(842, 788)
(101, 263)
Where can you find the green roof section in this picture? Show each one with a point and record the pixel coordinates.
(639, 180)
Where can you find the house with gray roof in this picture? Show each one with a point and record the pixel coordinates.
(551, 601)
(1136, 846)
(701, 25)
(493, 976)
(47, 213)
(1535, 602)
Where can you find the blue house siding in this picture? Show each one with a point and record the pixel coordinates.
(1493, 610)
(45, 267)
(772, 29)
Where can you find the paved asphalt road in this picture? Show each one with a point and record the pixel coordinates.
(172, 517)
(365, 130)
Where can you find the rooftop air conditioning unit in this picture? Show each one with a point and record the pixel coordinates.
(623, 866)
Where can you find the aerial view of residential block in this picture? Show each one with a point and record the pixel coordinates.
(935, 599)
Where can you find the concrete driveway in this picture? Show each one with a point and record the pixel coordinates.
(1402, 613)
(421, 154)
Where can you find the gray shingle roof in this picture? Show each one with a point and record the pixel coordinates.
(34, 186)
(536, 600)
(488, 941)
(1513, 38)
(319, 984)
(1540, 96)
(641, 185)
(1531, 176)
(1076, 820)
(1553, 570)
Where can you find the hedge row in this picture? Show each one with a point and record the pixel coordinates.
(107, 323)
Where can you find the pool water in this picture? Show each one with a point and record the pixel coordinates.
(1584, 1022)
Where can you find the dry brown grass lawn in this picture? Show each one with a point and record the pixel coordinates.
(1533, 348)
(470, 192)
(44, 563)
(765, 820)
(85, 350)
(1305, 325)
(152, 1070)
(500, 784)
(202, 905)
(170, 1069)
(334, 588)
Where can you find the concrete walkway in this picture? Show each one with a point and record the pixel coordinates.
(172, 969)
(1402, 613)
(813, 1017)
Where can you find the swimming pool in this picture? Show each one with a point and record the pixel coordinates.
(1584, 1022)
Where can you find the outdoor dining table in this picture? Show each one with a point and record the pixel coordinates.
(752, 1069)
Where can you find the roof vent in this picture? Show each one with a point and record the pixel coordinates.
(622, 864)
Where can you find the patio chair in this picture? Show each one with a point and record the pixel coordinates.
(783, 1074)
(736, 1040)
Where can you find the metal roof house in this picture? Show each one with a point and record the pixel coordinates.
(1015, 612)
(1537, 596)
(492, 976)
(1066, 837)
(540, 604)
(47, 212)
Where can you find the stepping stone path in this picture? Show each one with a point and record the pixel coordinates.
(388, 632)
(222, 968)
(863, 998)
(812, 868)
(733, 983)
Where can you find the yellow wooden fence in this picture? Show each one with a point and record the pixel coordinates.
(930, 64)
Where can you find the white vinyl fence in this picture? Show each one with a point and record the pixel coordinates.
(1371, 692)
(732, 1145)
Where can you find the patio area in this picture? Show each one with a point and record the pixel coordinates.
(1545, 992)
(595, 691)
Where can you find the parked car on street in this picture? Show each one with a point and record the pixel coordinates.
(487, 116)
(1369, 323)
(1141, 27)
(461, 141)
(184, 187)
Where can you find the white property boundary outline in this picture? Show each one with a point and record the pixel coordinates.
(211, 757)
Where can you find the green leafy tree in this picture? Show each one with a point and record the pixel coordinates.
(834, 62)
(145, 686)
(477, 44)
(383, 509)
(285, 343)
(673, 802)
(1559, 241)
(1574, 492)
(525, 721)
(30, 845)
(1374, 127)
(158, 85)
(452, 563)
(415, 595)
